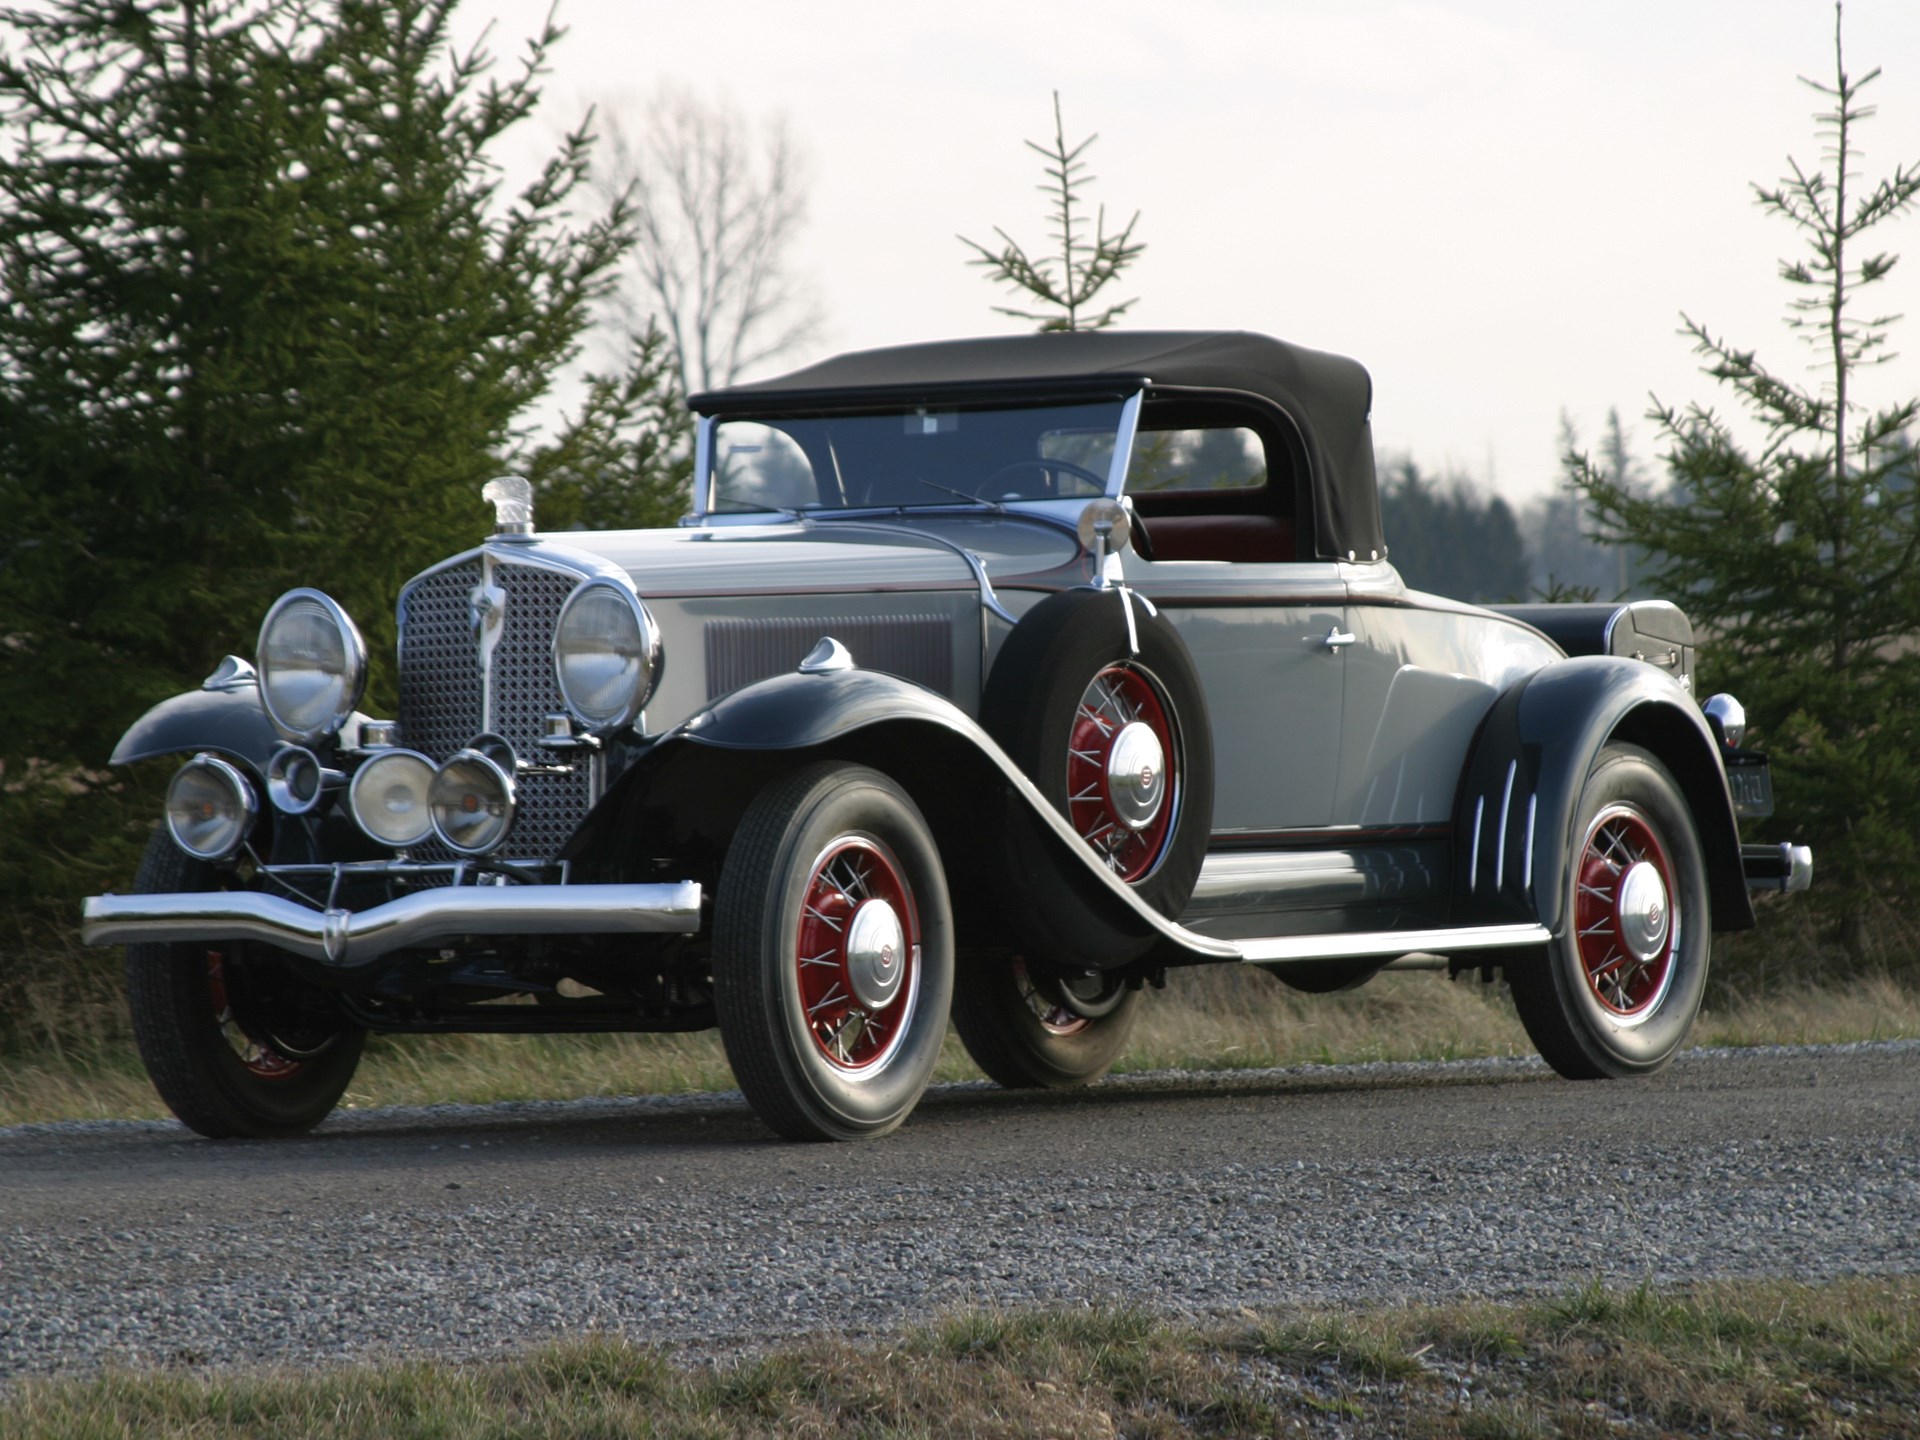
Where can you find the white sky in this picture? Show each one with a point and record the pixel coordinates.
(1500, 207)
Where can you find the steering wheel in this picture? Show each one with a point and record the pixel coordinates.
(1059, 467)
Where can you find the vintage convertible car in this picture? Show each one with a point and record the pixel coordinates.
(986, 679)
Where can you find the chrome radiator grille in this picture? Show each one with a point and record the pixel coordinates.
(445, 700)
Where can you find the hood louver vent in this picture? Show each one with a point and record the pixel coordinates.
(914, 647)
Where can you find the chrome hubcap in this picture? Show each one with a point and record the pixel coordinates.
(1642, 910)
(1136, 775)
(876, 950)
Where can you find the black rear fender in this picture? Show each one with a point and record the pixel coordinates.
(1514, 814)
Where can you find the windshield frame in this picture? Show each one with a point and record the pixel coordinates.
(704, 478)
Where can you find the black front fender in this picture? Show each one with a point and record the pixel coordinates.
(687, 793)
(1513, 819)
(226, 721)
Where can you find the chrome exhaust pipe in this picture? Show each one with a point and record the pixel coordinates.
(348, 938)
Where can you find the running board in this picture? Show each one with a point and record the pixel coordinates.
(1389, 944)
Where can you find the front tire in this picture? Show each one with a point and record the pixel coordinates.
(235, 1043)
(1615, 994)
(1029, 1033)
(833, 954)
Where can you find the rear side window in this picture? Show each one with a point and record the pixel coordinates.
(1214, 458)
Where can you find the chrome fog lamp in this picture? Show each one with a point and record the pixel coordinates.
(313, 665)
(606, 654)
(210, 808)
(472, 803)
(388, 797)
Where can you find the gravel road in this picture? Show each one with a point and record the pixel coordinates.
(466, 1231)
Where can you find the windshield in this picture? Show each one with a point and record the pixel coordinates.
(928, 456)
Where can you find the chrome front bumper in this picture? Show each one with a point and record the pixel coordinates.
(347, 938)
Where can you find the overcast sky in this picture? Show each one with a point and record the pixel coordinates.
(1500, 207)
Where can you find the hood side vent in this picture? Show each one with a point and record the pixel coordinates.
(914, 647)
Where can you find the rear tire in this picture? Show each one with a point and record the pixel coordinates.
(1030, 1034)
(237, 1045)
(1615, 994)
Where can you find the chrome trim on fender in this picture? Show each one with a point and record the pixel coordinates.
(348, 939)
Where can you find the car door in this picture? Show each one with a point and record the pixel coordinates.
(1265, 639)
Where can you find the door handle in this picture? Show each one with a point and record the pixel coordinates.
(1335, 638)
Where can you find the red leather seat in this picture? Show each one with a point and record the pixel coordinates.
(1244, 539)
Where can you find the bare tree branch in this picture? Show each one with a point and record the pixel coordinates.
(717, 205)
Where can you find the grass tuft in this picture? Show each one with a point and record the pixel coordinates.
(1834, 1362)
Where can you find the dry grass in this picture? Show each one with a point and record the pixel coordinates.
(1825, 1362)
(1218, 1018)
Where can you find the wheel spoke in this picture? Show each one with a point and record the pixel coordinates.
(850, 1029)
(1616, 911)
(1119, 697)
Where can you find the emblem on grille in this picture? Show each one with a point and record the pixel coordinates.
(486, 613)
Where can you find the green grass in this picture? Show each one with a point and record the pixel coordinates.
(1758, 1359)
(1218, 1018)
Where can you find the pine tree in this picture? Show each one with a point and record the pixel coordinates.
(1065, 283)
(268, 320)
(1799, 556)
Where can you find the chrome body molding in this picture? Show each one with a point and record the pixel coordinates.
(1390, 943)
(347, 939)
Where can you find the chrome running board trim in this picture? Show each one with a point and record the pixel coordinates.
(346, 938)
(1390, 943)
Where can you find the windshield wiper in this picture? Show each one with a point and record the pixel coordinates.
(754, 507)
(994, 505)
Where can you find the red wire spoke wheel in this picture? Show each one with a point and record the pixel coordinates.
(1626, 924)
(1122, 773)
(1615, 992)
(235, 1042)
(1053, 1016)
(256, 1056)
(857, 959)
(832, 953)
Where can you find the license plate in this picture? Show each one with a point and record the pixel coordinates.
(1751, 781)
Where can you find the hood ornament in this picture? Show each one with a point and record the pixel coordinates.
(512, 499)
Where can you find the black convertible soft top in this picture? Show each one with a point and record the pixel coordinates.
(1327, 397)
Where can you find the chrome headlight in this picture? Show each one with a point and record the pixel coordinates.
(388, 797)
(472, 803)
(313, 665)
(210, 808)
(606, 654)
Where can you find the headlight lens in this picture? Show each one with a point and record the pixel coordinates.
(606, 653)
(388, 797)
(472, 803)
(210, 808)
(313, 665)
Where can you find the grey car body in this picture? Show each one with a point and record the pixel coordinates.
(986, 678)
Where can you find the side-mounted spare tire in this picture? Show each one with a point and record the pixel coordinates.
(1102, 709)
